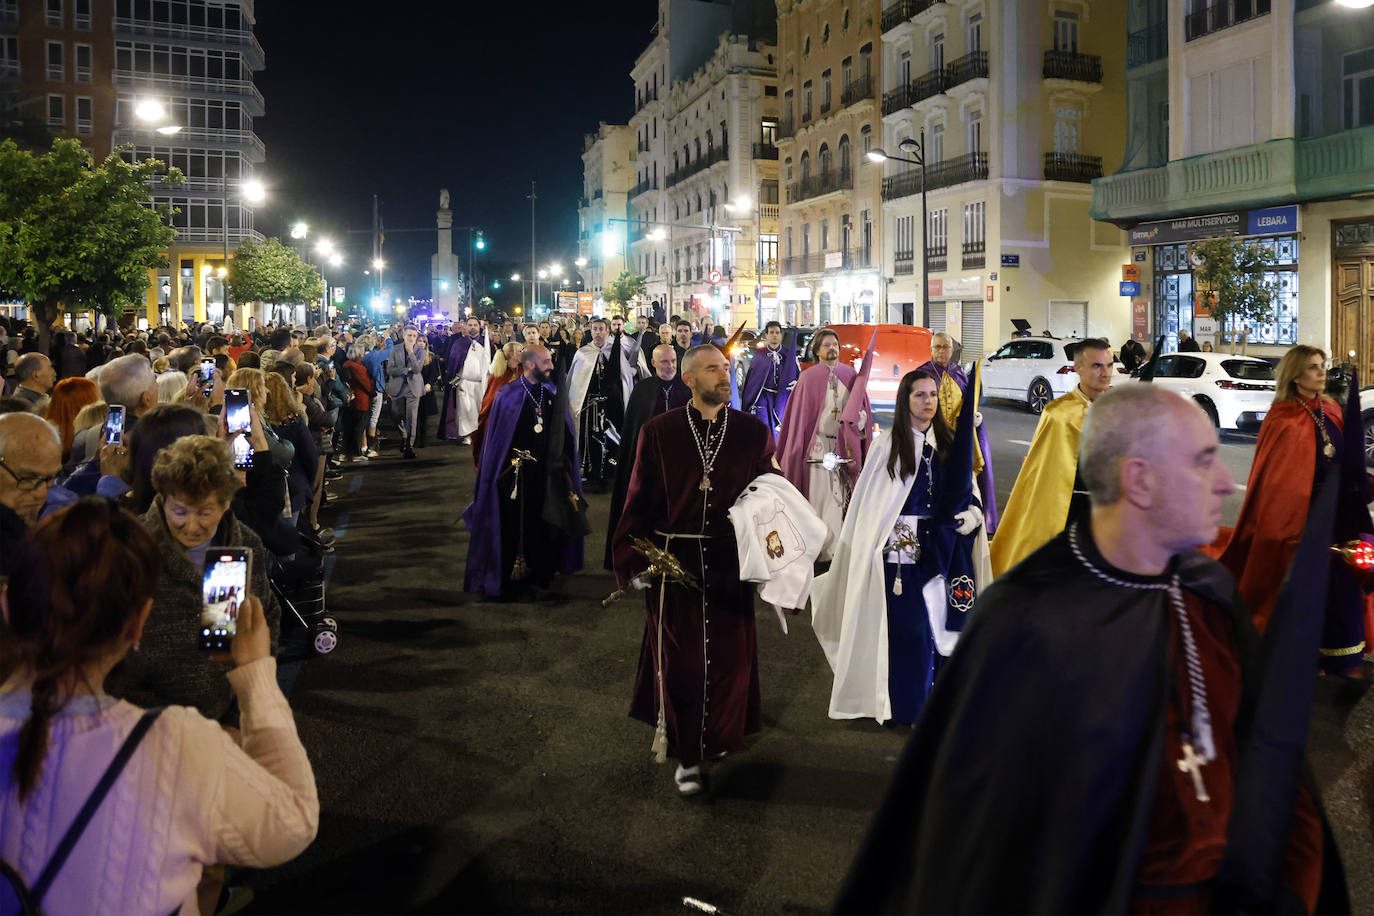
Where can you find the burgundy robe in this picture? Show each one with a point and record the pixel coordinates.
(710, 652)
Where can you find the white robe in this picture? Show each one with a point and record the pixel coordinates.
(472, 385)
(580, 378)
(827, 487)
(849, 602)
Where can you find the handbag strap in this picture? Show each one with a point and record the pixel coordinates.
(83, 818)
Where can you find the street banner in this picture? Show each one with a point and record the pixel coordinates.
(586, 303)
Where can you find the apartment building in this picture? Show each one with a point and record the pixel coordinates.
(608, 175)
(1014, 106)
(1252, 118)
(172, 79)
(831, 240)
(705, 106)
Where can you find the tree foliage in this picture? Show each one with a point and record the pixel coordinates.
(1230, 273)
(625, 288)
(271, 272)
(77, 235)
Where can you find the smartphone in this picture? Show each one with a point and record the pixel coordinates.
(206, 373)
(238, 422)
(114, 424)
(223, 589)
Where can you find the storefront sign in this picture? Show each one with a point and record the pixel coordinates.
(1267, 221)
(1204, 327)
(955, 287)
(1011, 260)
(1140, 320)
(1130, 288)
(1130, 273)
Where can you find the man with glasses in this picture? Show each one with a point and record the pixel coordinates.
(30, 459)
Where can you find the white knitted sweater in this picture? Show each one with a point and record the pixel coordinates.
(189, 797)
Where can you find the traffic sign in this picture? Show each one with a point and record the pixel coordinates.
(1130, 288)
(339, 294)
(713, 276)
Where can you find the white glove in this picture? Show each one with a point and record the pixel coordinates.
(639, 583)
(977, 418)
(970, 520)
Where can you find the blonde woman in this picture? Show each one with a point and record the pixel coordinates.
(254, 381)
(285, 414)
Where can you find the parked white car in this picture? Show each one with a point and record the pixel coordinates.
(1234, 391)
(1367, 412)
(1032, 370)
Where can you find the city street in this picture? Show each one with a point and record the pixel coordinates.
(477, 757)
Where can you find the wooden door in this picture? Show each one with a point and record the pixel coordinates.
(1352, 319)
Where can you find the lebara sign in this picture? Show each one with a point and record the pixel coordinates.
(1268, 221)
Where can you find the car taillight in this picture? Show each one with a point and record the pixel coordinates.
(1227, 384)
(1064, 370)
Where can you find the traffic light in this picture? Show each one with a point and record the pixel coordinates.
(481, 242)
(495, 284)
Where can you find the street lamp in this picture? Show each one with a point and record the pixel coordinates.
(299, 231)
(581, 262)
(918, 149)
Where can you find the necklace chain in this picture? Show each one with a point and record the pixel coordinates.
(539, 404)
(705, 449)
(1319, 418)
(1197, 683)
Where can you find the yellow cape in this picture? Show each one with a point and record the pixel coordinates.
(951, 402)
(1039, 503)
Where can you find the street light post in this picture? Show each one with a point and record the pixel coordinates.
(917, 148)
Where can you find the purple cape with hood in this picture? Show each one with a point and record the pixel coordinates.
(760, 372)
(986, 489)
(483, 514)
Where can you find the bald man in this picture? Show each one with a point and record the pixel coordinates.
(30, 459)
(659, 393)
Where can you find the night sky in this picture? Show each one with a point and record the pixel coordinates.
(402, 99)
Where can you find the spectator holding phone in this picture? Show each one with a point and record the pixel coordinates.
(195, 482)
(127, 380)
(190, 795)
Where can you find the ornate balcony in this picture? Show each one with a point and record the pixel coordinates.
(1222, 15)
(1072, 167)
(973, 65)
(1069, 65)
(857, 91)
(1147, 45)
(822, 183)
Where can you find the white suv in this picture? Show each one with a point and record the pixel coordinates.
(1032, 370)
(1234, 391)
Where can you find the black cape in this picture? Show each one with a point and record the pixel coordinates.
(646, 402)
(1029, 782)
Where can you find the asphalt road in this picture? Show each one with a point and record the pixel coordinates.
(478, 757)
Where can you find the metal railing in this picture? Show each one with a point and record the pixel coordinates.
(765, 151)
(969, 167)
(1147, 45)
(197, 137)
(643, 186)
(903, 263)
(820, 183)
(857, 90)
(700, 164)
(937, 257)
(196, 85)
(973, 254)
(971, 66)
(1072, 167)
(932, 83)
(1070, 65)
(241, 39)
(1222, 15)
(898, 13)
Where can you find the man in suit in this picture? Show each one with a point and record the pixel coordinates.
(405, 386)
(35, 376)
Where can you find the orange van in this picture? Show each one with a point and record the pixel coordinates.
(900, 349)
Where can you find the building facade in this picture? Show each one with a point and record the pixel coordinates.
(831, 223)
(1014, 105)
(169, 79)
(1252, 118)
(702, 114)
(608, 175)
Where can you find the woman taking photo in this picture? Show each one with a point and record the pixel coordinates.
(910, 559)
(1300, 438)
(189, 795)
(195, 481)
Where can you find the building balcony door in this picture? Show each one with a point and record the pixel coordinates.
(1352, 318)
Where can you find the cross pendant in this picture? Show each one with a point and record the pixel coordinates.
(1191, 763)
(705, 483)
(835, 411)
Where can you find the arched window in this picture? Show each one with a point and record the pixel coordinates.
(806, 46)
(823, 160)
(805, 167)
(788, 165)
(825, 35)
(698, 202)
(846, 162)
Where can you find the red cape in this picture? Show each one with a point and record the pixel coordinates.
(1277, 496)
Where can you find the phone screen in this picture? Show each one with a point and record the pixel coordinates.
(114, 424)
(223, 589)
(207, 371)
(238, 421)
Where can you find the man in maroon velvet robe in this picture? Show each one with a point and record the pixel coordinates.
(699, 661)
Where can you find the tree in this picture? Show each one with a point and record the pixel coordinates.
(77, 235)
(625, 288)
(271, 272)
(1230, 273)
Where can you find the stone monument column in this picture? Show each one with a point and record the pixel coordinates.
(445, 274)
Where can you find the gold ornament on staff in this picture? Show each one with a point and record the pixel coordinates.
(665, 566)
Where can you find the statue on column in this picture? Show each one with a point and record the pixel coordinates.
(443, 199)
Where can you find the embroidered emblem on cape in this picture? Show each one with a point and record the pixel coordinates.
(783, 543)
(774, 543)
(961, 594)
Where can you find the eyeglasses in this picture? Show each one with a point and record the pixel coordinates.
(29, 483)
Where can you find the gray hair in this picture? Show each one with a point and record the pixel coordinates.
(29, 365)
(125, 379)
(1122, 423)
(15, 427)
(170, 384)
(689, 358)
(184, 359)
(356, 350)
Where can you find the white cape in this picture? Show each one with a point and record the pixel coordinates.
(849, 603)
(580, 378)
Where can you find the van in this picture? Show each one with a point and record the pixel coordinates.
(900, 349)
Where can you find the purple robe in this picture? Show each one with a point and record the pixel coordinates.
(709, 651)
(986, 488)
(768, 385)
(486, 563)
(803, 415)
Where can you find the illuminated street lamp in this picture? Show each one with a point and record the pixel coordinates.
(324, 248)
(299, 231)
(917, 148)
(581, 262)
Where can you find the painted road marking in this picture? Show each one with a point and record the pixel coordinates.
(1019, 442)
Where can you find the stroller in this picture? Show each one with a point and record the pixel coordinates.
(307, 628)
